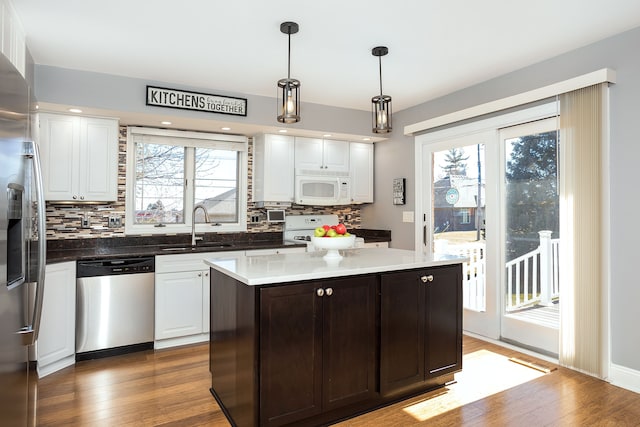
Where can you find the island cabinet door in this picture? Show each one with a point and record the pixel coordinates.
(290, 354)
(444, 320)
(402, 331)
(349, 341)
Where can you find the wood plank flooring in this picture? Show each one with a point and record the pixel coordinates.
(171, 388)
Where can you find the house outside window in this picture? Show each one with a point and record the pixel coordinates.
(171, 173)
(465, 216)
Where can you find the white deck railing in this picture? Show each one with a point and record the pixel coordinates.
(533, 278)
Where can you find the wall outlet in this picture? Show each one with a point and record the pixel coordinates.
(255, 218)
(115, 221)
(84, 221)
(407, 216)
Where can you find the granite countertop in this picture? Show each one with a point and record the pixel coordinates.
(137, 246)
(293, 267)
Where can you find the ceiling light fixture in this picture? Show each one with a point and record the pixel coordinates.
(289, 89)
(75, 110)
(381, 104)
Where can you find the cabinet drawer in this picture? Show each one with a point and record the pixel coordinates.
(188, 262)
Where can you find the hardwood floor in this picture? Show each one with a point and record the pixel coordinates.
(171, 388)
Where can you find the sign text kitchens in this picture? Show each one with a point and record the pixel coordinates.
(187, 100)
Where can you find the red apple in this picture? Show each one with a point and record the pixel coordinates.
(341, 229)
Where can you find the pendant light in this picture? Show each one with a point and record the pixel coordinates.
(289, 89)
(381, 104)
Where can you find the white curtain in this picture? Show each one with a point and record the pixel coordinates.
(581, 290)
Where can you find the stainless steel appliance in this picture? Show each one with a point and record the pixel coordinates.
(114, 306)
(22, 249)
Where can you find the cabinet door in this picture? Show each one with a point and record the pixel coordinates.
(402, 331)
(57, 339)
(98, 154)
(178, 302)
(308, 153)
(349, 341)
(290, 353)
(336, 155)
(59, 141)
(273, 168)
(444, 320)
(361, 172)
(206, 302)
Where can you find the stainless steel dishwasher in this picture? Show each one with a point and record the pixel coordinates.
(114, 306)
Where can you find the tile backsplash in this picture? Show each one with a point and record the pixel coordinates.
(65, 221)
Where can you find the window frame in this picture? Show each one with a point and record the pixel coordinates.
(186, 139)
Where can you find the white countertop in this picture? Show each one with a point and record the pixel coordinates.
(292, 267)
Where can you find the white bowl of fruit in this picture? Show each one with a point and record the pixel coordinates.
(333, 238)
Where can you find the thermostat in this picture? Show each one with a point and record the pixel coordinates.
(275, 215)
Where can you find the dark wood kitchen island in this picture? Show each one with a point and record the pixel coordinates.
(297, 340)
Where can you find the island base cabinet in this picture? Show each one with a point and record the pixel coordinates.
(420, 328)
(317, 348)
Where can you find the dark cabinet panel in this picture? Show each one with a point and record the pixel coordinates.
(420, 327)
(444, 321)
(317, 348)
(349, 341)
(402, 331)
(290, 354)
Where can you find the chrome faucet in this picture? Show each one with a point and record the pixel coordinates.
(195, 238)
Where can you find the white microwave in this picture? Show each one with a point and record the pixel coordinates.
(322, 188)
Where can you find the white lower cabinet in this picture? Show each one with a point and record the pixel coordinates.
(376, 245)
(182, 298)
(56, 345)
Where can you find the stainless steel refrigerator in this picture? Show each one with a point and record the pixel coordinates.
(22, 249)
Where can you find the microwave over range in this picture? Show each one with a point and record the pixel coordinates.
(322, 188)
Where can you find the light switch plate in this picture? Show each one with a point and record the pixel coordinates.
(407, 216)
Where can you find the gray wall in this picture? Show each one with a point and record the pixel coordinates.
(105, 91)
(394, 158)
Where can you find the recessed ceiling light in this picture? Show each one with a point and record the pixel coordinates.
(165, 122)
(225, 128)
(326, 135)
(282, 131)
(366, 139)
(75, 110)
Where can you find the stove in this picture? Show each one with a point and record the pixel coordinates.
(299, 228)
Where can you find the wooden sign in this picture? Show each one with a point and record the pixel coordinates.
(187, 100)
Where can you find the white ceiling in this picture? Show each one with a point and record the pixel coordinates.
(435, 47)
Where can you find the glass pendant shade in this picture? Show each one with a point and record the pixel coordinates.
(288, 89)
(381, 109)
(288, 100)
(381, 104)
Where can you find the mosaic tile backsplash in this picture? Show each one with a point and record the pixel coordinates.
(64, 221)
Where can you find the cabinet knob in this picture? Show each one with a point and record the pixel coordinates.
(329, 292)
(320, 292)
(206, 274)
(81, 197)
(74, 197)
(426, 279)
(199, 274)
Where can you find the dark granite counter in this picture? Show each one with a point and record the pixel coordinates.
(135, 246)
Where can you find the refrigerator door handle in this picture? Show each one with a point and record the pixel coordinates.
(30, 332)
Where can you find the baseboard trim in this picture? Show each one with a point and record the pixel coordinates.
(174, 342)
(624, 377)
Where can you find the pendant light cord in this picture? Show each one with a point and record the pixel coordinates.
(289, 56)
(380, 64)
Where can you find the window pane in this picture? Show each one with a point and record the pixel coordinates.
(216, 185)
(159, 187)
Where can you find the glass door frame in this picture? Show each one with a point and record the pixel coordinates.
(487, 323)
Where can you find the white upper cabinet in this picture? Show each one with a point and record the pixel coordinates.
(12, 39)
(361, 172)
(273, 173)
(79, 158)
(322, 154)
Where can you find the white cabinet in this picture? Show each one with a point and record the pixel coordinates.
(376, 245)
(361, 172)
(56, 345)
(12, 39)
(273, 173)
(79, 157)
(182, 292)
(321, 154)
